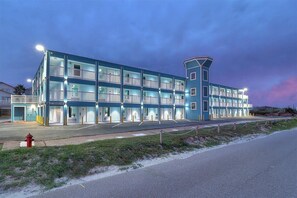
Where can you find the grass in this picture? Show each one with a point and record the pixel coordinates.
(50, 167)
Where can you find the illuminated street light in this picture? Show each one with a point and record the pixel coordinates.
(40, 48)
(29, 80)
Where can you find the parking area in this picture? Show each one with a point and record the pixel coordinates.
(18, 131)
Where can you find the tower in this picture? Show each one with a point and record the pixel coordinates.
(197, 88)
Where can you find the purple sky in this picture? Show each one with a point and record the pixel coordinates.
(253, 42)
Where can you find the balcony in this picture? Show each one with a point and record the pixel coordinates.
(243, 96)
(150, 84)
(234, 95)
(234, 105)
(166, 85)
(166, 101)
(222, 104)
(179, 101)
(150, 100)
(56, 95)
(56, 71)
(228, 104)
(222, 93)
(132, 99)
(215, 93)
(108, 97)
(24, 99)
(5, 102)
(81, 96)
(248, 106)
(111, 78)
(215, 104)
(179, 87)
(132, 81)
(81, 74)
(229, 95)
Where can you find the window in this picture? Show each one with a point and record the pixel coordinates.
(205, 91)
(205, 105)
(76, 70)
(193, 91)
(193, 76)
(193, 105)
(205, 75)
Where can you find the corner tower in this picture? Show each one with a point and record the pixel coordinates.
(197, 88)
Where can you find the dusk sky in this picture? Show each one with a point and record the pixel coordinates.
(253, 42)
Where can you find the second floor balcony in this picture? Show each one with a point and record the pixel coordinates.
(81, 96)
(132, 81)
(81, 74)
(150, 84)
(109, 97)
(179, 87)
(166, 101)
(111, 78)
(179, 101)
(166, 86)
(24, 99)
(5, 102)
(150, 100)
(56, 95)
(135, 99)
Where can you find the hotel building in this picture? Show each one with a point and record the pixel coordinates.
(70, 89)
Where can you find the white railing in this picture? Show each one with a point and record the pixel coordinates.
(108, 97)
(150, 100)
(240, 105)
(216, 104)
(81, 74)
(243, 96)
(215, 93)
(166, 85)
(222, 104)
(179, 101)
(166, 101)
(5, 102)
(235, 95)
(228, 104)
(229, 94)
(150, 83)
(80, 96)
(179, 87)
(56, 71)
(234, 105)
(222, 93)
(24, 99)
(56, 95)
(132, 81)
(247, 105)
(109, 78)
(131, 99)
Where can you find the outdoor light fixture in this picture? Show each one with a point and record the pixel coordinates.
(29, 80)
(40, 48)
(245, 89)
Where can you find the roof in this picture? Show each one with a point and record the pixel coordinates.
(7, 84)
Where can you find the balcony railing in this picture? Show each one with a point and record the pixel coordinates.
(56, 71)
(235, 95)
(80, 96)
(234, 105)
(108, 97)
(215, 104)
(132, 81)
(166, 85)
(222, 93)
(248, 106)
(229, 94)
(150, 100)
(215, 93)
(81, 74)
(111, 78)
(24, 99)
(243, 96)
(166, 101)
(131, 99)
(5, 102)
(179, 87)
(56, 95)
(179, 101)
(150, 83)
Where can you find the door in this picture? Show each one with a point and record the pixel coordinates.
(19, 113)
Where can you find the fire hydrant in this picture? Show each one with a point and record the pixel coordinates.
(29, 139)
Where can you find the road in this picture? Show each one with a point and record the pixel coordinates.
(264, 167)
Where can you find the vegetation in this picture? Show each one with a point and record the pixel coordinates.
(273, 111)
(53, 166)
(19, 89)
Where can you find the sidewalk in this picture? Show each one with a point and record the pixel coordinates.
(9, 145)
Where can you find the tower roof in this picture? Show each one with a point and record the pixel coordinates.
(204, 61)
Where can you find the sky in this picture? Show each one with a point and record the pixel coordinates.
(253, 43)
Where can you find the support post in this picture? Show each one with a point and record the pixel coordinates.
(161, 138)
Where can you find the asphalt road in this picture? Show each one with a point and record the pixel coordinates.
(18, 131)
(265, 167)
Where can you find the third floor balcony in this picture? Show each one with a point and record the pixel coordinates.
(166, 101)
(108, 77)
(131, 81)
(132, 99)
(150, 100)
(165, 85)
(109, 97)
(150, 83)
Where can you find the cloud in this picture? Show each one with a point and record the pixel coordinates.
(281, 95)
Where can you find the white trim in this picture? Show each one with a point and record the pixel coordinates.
(207, 92)
(191, 75)
(191, 91)
(195, 105)
(206, 105)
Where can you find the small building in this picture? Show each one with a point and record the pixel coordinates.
(6, 91)
(70, 89)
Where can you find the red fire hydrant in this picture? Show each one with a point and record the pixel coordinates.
(29, 139)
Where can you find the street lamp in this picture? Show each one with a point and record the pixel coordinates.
(40, 48)
(29, 80)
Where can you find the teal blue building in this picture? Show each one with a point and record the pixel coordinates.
(69, 89)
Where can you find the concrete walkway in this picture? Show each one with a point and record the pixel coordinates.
(9, 145)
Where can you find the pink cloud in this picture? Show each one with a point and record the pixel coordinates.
(281, 95)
